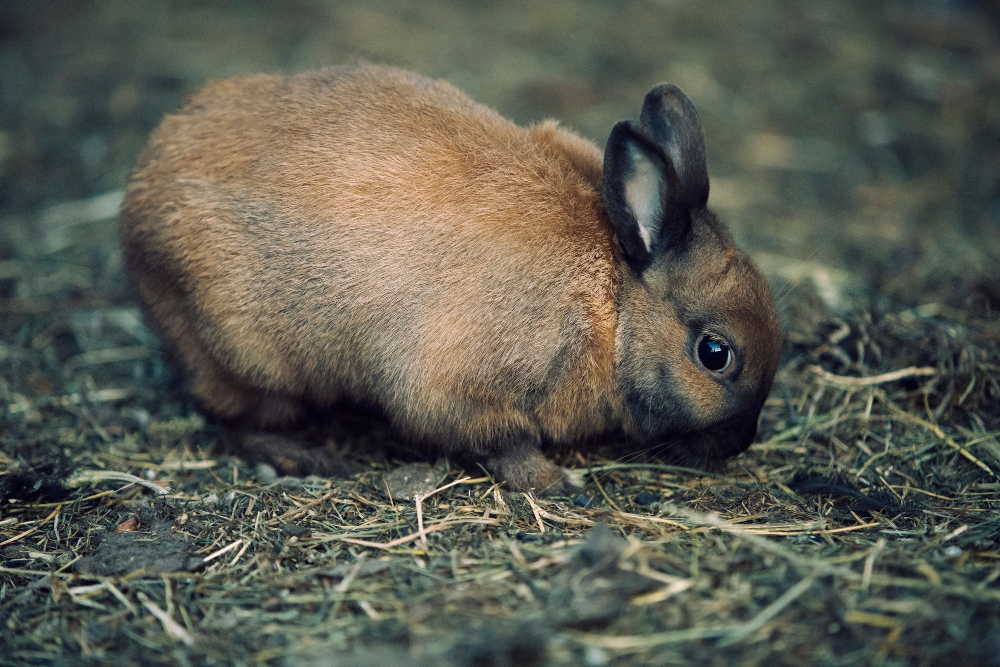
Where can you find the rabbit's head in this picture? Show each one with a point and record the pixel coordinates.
(698, 337)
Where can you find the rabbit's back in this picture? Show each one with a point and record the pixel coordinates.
(367, 233)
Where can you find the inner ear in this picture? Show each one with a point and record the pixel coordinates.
(642, 194)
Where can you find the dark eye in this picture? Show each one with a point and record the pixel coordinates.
(714, 354)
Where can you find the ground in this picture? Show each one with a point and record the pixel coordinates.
(854, 149)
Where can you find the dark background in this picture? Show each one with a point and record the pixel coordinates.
(854, 146)
(854, 149)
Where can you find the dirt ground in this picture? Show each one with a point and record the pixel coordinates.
(854, 150)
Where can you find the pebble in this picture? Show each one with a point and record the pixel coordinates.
(646, 498)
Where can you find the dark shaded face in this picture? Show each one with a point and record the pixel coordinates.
(708, 448)
(698, 347)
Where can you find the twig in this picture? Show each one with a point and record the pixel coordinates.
(29, 532)
(413, 536)
(121, 596)
(96, 396)
(638, 642)
(418, 501)
(298, 511)
(464, 480)
(869, 568)
(808, 531)
(600, 488)
(955, 533)
(82, 477)
(388, 492)
(81, 500)
(536, 511)
(223, 550)
(36, 573)
(627, 516)
(246, 545)
(185, 465)
(844, 381)
(813, 565)
(420, 519)
(170, 626)
(936, 430)
(107, 356)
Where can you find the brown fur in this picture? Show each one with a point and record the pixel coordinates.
(366, 234)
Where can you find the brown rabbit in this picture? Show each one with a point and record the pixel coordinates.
(366, 235)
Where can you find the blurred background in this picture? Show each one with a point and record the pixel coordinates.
(854, 150)
(854, 147)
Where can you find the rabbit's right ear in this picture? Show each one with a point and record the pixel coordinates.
(643, 195)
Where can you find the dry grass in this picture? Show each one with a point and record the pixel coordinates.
(863, 528)
(856, 146)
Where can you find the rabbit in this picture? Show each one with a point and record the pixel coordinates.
(363, 235)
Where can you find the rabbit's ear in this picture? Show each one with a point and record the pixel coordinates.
(669, 116)
(643, 195)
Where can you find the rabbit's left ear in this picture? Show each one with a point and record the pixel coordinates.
(672, 121)
(643, 195)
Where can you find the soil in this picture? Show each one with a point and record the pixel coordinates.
(854, 150)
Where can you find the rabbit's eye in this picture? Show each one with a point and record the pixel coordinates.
(714, 354)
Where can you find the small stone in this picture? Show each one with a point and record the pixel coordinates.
(294, 530)
(127, 525)
(646, 498)
(582, 500)
(266, 473)
(407, 481)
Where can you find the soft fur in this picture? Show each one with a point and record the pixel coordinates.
(364, 234)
